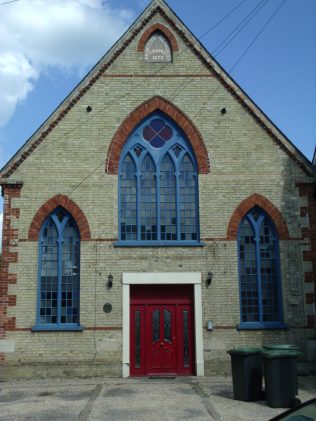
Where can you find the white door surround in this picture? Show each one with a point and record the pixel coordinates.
(163, 278)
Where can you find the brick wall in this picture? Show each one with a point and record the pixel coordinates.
(240, 164)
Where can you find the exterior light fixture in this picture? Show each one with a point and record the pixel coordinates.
(109, 283)
(208, 279)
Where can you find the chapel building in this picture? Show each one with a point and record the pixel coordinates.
(155, 220)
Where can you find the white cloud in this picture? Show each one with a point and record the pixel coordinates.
(38, 35)
(17, 77)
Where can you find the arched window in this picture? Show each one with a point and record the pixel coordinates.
(58, 272)
(259, 272)
(158, 200)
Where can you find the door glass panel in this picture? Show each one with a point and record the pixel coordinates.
(156, 325)
(167, 325)
(137, 339)
(186, 348)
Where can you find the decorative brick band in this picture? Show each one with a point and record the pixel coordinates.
(49, 206)
(257, 200)
(154, 28)
(142, 111)
(10, 237)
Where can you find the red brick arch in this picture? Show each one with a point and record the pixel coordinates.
(257, 200)
(49, 206)
(142, 111)
(153, 28)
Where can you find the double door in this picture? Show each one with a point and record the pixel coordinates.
(161, 336)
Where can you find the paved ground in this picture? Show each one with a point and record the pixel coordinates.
(200, 399)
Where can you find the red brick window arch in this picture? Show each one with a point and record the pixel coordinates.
(157, 28)
(65, 202)
(262, 202)
(140, 113)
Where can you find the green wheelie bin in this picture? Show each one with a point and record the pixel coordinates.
(247, 373)
(280, 377)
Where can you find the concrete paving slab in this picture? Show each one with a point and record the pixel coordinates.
(186, 398)
(149, 400)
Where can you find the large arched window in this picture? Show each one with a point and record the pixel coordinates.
(158, 199)
(259, 272)
(58, 273)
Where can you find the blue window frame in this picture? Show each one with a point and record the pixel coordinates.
(58, 273)
(158, 187)
(259, 272)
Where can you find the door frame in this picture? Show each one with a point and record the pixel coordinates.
(163, 278)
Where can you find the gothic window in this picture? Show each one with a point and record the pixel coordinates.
(259, 271)
(58, 272)
(158, 200)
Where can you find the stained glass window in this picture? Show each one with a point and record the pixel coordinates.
(186, 339)
(59, 253)
(259, 274)
(158, 186)
(137, 339)
(155, 326)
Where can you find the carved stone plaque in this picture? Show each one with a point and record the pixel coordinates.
(157, 50)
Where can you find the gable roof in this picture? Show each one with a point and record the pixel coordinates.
(155, 7)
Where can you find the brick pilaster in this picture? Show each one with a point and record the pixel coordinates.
(308, 190)
(9, 255)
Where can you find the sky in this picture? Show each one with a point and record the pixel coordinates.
(47, 47)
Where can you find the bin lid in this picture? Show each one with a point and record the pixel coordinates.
(280, 353)
(244, 350)
(281, 347)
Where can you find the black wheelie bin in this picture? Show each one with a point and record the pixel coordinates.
(247, 373)
(288, 347)
(280, 377)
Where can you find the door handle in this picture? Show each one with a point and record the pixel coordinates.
(161, 343)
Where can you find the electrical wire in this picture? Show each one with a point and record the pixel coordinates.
(256, 37)
(261, 4)
(231, 36)
(242, 56)
(232, 68)
(234, 65)
(221, 20)
(125, 95)
(7, 2)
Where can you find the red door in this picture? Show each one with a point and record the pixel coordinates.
(161, 330)
(161, 343)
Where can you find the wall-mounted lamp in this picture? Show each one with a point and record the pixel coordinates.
(208, 279)
(109, 283)
(209, 325)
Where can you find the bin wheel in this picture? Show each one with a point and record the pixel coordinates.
(295, 402)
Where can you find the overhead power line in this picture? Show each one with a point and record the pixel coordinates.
(7, 2)
(236, 31)
(215, 91)
(221, 20)
(256, 37)
(245, 21)
(127, 94)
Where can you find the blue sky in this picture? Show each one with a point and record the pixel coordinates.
(47, 46)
